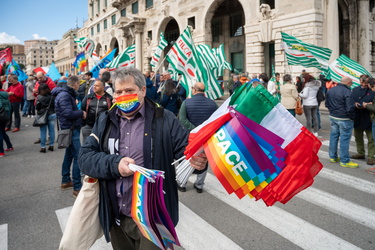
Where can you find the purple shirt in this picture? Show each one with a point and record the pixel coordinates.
(130, 145)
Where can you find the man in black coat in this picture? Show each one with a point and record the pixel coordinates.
(140, 132)
(362, 122)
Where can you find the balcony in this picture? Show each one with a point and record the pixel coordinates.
(120, 4)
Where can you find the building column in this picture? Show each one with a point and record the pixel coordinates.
(138, 46)
(333, 41)
(363, 33)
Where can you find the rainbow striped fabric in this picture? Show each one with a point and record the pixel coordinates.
(257, 148)
(149, 211)
(127, 103)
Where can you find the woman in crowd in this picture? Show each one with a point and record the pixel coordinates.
(4, 104)
(46, 101)
(289, 94)
(169, 97)
(310, 104)
(299, 84)
(30, 96)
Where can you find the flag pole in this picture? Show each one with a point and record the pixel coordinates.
(160, 64)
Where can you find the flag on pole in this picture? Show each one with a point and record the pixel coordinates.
(209, 64)
(80, 63)
(280, 136)
(53, 72)
(15, 69)
(86, 44)
(222, 59)
(125, 59)
(305, 54)
(184, 58)
(95, 56)
(156, 57)
(5, 56)
(81, 41)
(173, 72)
(344, 66)
(102, 63)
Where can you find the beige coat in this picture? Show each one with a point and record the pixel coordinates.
(289, 95)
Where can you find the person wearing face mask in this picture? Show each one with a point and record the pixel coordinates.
(139, 131)
(70, 117)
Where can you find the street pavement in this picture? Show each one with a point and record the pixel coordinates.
(337, 212)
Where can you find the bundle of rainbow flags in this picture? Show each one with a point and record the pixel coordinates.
(148, 208)
(256, 148)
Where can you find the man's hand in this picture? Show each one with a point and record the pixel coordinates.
(123, 166)
(84, 115)
(366, 103)
(10, 93)
(198, 162)
(358, 105)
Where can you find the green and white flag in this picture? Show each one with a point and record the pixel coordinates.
(210, 65)
(344, 66)
(222, 60)
(125, 59)
(86, 44)
(173, 72)
(156, 57)
(81, 41)
(305, 54)
(184, 58)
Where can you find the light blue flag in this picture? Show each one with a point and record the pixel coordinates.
(67, 73)
(102, 63)
(53, 72)
(14, 68)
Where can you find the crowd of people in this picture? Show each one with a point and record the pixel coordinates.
(125, 117)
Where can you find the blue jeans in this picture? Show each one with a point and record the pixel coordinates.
(340, 129)
(25, 107)
(51, 131)
(71, 155)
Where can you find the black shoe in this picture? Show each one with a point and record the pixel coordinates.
(24, 115)
(42, 150)
(199, 190)
(37, 142)
(181, 189)
(50, 148)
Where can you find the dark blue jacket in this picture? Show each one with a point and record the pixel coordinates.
(170, 103)
(340, 103)
(199, 108)
(151, 91)
(362, 116)
(164, 140)
(66, 108)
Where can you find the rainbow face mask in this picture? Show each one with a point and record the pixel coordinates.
(128, 103)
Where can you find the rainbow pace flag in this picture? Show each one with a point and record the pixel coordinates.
(156, 57)
(80, 63)
(140, 208)
(148, 208)
(294, 169)
(344, 66)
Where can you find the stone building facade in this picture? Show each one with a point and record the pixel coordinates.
(40, 54)
(249, 29)
(65, 52)
(18, 52)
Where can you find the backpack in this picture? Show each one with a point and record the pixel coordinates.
(320, 96)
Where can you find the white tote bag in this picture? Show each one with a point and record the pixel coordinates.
(83, 227)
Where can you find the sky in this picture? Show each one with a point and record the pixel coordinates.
(40, 19)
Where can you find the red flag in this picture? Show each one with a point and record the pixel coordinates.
(5, 55)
